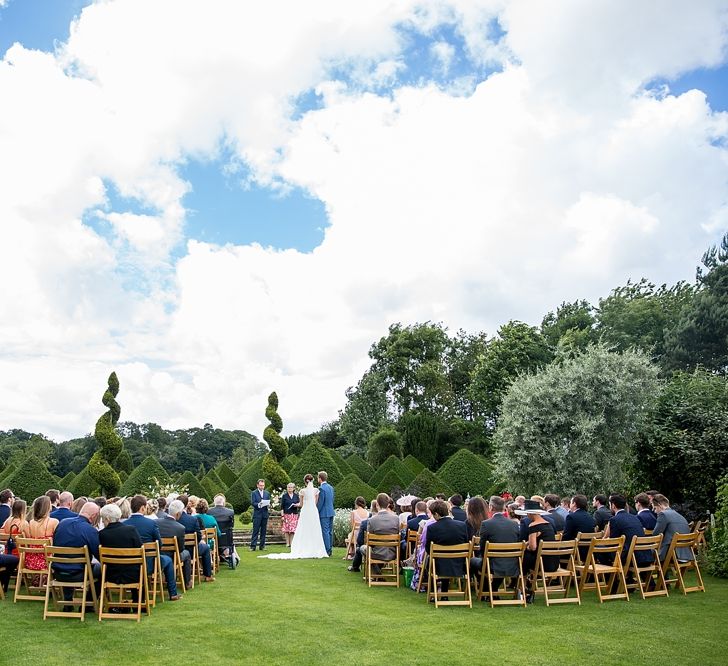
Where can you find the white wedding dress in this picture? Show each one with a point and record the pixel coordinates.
(308, 542)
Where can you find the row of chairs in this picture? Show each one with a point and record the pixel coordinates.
(589, 562)
(45, 585)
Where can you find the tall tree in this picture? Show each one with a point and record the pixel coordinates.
(110, 443)
(365, 411)
(571, 326)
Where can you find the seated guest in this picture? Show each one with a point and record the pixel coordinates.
(669, 522)
(358, 515)
(65, 502)
(7, 497)
(476, 512)
(578, 520)
(192, 526)
(565, 506)
(647, 518)
(162, 504)
(497, 529)
(40, 526)
(446, 531)
(521, 501)
(456, 508)
(148, 530)
(526, 521)
(552, 505)
(206, 520)
(628, 525)
(151, 509)
(192, 501)
(16, 524)
(169, 527)
(420, 515)
(602, 515)
(75, 533)
(420, 552)
(539, 529)
(225, 519)
(124, 506)
(510, 513)
(119, 535)
(385, 521)
(52, 495)
(78, 504)
(8, 567)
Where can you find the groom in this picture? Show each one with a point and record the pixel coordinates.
(325, 506)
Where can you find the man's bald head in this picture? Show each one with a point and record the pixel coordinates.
(65, 499)
(90, 511)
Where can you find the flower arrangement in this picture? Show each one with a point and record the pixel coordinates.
(163, 488)
(342, 526)
(275, 498)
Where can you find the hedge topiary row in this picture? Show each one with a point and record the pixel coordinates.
(360, 467)
(31, 479)
(340, 462)
(252, 472)
(238, 495)
(66, 481)
(349, 488)
(227, 476)
(83, 485)
(149, 474)
(289, 461)
(194, 487)
(414, 465)
(467, 473)
(427, 484)
(314, 459)
(391, 464)
(392, 484)
(7, 473)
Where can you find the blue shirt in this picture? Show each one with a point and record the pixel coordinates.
(75, 533)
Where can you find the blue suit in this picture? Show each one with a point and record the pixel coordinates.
(647, 518)
(149, 532)
(260, 518)
(325, 506)
(61, 513)
(628, 525)
(192, 526)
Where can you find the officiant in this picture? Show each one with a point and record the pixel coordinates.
(290, 502)
(260, 501)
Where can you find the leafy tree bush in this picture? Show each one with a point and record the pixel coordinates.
(66, 481)
(148, 475)
(289, 461)
(123, 476)
(252, 472)
(467, 473)
(385, 443)
(194, 487)
(420, 436)
(273, 473)
(110, 444)
(414, 465)
(238, 495)
(571, 427)
(365, 411)
(83, 485)
(227, 476)
(391, 464)
(392, 484)
(718, 552)
(271, 434)
(214, 478)
(124, 462)
(313, 459)
(340, 462)
(246, 517)
(6, 474)
(427, 484)
(349, 488)
(360, 467)
(31, 479)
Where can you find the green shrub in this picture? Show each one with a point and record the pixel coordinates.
(314, 459)
(718, 551)
(110, 444)
(6, 474)
(427, 484)
(340, 462)
(392, 484)
(414, 465)
(275, 476)
(66, 480)
(123, 463)
(360, 467)
(289, 461)
(272, 434)
(391, 464)
(227, 476)
(467, 473)
(194, 487)
(252, 472)
(349, 488)
(215, 480)
(238, 495)
(83, 485)
(123, 476)
(31, 479)
(383, 444)
(149, 474)
(246, 517)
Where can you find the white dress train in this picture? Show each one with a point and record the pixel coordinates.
(308, 542)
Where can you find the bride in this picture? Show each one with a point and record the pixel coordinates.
(308, 541)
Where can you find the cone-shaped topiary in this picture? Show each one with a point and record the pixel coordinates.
(274, 475)
(391, 464)
(123, 476)
(124, 463)
(314, 459)
(194, 487)
(349, 488)
(201, 472)
(272, 434)
(227, 476)
(110, 444)
(289, 461)
(392, 484)
(238, 495)
(149, 474)
(427, 484)
(252, 472)
(31, 479)
(66, 480)
(414, 465)
(216, 481)
(360, 466)
(340, 462)
(7, 473)
(83, 485)
(466, 473)
(210, 489)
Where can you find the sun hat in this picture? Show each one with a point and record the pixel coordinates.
(406, 500)
(531, 507)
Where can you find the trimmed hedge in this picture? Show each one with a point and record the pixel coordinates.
(467, 473)
(391, 464)
(288, 462)
(124, 463)
(349, 488)
(275, 476)
(31, 479)
(66, 481)
(252, 472)
(216, 481)
(6, 474)
(314, 459)
(360, 467)
(149, 473)
(194, 487)
(414, 465)
(392, 482)
(227, 476)
(383, 444)
(238, 495)
(427, 484)
(340, 462)
(83, 485)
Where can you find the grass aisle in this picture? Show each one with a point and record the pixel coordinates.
(314, 611)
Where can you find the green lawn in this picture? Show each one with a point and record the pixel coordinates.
(314, 611)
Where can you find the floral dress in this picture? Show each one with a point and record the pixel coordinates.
(42, 530)
(290, 513)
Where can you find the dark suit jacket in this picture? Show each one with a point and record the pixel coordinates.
(601, 517)
(577, 521)
(255, 498)
(62, 513)
(4, 513)
(558, 520)
(447, 532)
(648, 519)
(147, 528)
(191, 525)
(121, 535)
(629, 525)
(225, 517)
(414, 523)
(500, 529)
(458, 513)
(169, 527)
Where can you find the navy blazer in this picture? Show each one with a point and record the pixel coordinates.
(61, 513)
(559, 520)
(147, 528)
(255, 498)
(414, 523)
(458, 513)
(629, 525)
(577, 521)
(287, 501)
(447, 532)
(191, 524)
(648, 519)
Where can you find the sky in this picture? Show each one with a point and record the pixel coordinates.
(221, 199)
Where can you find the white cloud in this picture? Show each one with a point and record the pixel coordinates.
(557, 178)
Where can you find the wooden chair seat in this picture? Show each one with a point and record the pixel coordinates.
(126, 557)
(388, 574)
(565, 576)
(649, 579)
(154, 579)
(604, 549)
(171, 547)
(461, 596)
(55, 587)
(192, 545)
(33, 580)
(211, 538)
(681, 566)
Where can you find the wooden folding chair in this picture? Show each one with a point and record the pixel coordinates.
(211, 537)
(55, 587)
(682, 566)
(600, 551)
(495, 551)
(171, 547)
(649, 579)
(565, 575)
(701, 528)
(388, 574)
(154, 579)
(461, 596)
(583, 541)
(34, 591)
(475, 543)
(192, 546)
(127, 557)
(410, 542)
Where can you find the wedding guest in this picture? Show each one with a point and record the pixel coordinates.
(65, 502)
(16, 524)
(119, 535)
(8, 567)
(420, 512)
(78, 504)
(151, 509)
(497, 529)
(565, 506)
(192, 501)
(578, 519)
(539, 529)
(552, 504)
(224, 516)
(456, 508)
(669, 522)
(7, 497)
(162, 504)
(373, 508)
(52, 495)
(446, 531)
(520, 500)
(358, 515)
(40, 526)
(602, 515)
(385, 521)
(206, 520)
(124, 507)
(628, 525)
(101, 501)
(642, 503)
(290, 503)
(192, 526)
(476, 512)
(170, 527)
(510, 512)
(421, 553)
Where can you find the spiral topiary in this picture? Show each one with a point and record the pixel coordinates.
(110, 444)
(278, 445)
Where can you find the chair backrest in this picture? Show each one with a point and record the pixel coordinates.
(67, 555)
(556, 548)
(412, 536)
(151, 549)
(456, 551)
(126, 556)
(382, 540)
(191, 539)
(649, 542)
(170, 545)
(689, 540)
(32, 545)
(515, 549)
(605, 546)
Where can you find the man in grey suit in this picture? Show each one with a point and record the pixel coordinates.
(670, 522)
(169, 527)
(497, 529)
(385, 521)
